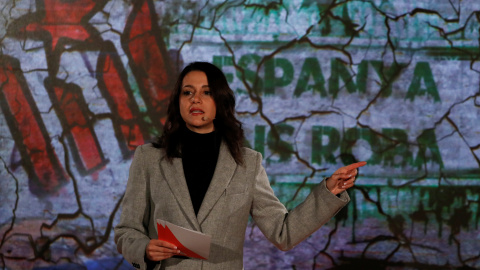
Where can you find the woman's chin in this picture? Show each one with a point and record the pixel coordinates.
(201, 127)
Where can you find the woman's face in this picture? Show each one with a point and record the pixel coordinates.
(197, 106)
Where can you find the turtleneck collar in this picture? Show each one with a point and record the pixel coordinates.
(199, 159)
(193, 142)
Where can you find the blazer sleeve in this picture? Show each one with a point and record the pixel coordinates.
(131, 234)
(285, 229)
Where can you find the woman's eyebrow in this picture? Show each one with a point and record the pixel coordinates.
(192, 87)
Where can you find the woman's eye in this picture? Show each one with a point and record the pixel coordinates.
(207, 93)
(186, 93)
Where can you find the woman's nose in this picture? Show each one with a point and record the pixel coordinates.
(195, 98)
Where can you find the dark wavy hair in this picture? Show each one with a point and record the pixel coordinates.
(226, 124)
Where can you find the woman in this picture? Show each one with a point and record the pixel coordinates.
(199, 176)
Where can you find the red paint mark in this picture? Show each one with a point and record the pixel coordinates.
(142, 40)
(67, 12)
(73, 32)
(63, 20)
(72, 110)
(128, 123)
(28, 130)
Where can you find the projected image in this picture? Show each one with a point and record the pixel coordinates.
(318, 85)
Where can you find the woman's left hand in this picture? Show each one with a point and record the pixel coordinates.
(343, 178)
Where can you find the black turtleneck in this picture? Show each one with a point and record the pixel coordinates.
(199, 159)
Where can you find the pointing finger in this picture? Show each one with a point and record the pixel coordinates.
(355, 165)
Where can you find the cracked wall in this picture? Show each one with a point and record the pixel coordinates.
(318, 84)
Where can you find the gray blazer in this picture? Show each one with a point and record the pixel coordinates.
(157, 188)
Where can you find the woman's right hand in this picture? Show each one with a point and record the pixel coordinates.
(158, 250)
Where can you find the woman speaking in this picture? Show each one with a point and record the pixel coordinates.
(198, 176)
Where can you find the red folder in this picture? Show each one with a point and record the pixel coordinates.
(190, 243)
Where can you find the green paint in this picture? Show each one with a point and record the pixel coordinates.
(340, 72)
(348, 23)
(390, 148)
(271, 81)
(396, 145)
(352, 135)
(319, 149)
(247, 75)
(277, 145)
(311, 68)
(387, 75)
(223, 61)
(260, 139)
(423, 72)
(428, 141)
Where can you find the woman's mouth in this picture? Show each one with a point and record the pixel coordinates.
(194, 111)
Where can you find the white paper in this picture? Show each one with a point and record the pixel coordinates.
(190, 243)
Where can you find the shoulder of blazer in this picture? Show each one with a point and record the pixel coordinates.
(250, 153)
(251, 158)
(149, 152)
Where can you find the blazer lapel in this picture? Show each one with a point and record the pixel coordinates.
(224, 171)
(176, 180)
